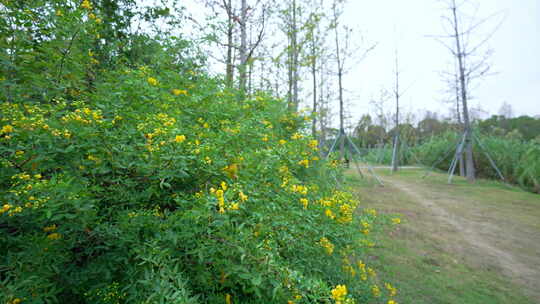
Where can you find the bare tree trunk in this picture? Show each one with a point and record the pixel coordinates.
(322, 111)
(243, 48)
(460, 124)
(295, 57)
(292, 59)
(395, 161)
(340, 88)
(230, 26)
(314, 75)
(469, 162)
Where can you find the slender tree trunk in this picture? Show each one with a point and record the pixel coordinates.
(395, 160)
(243, 48)
(314, 76)
(230, 26)
(340, 88)
(469, 162)
(460, 124)
(295, 57)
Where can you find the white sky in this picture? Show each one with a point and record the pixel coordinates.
(408, 24)
(516, 60)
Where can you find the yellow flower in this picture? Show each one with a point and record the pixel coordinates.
(152, 81)
(296, 136)
(98, 20)
(59, 13)
(339, 293)
(329, 213)
(86, 4)
(242, 196)
(180, 138)
(282, 141)
(50, 228)
(54, 236)
(6, 129)
(91, 16)
(328, 246)
(224, 186)
(15, 301)
(93, 158)
(304, 163)
(178, 92)
(305, 202)
(265, 138)
(228, 299)
(234, 206)
(376, 291)
(232, 170)
(19, 153)
(392, 302)
(313, 143)
(6, 207)
(396, 220)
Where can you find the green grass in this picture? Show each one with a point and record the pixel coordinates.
(429, 260)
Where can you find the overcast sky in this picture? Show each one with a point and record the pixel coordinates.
(516, 46)
(408, 24)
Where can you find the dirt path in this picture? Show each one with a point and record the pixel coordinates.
(482, 237)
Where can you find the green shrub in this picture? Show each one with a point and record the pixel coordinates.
(518, 160)
(159, 187)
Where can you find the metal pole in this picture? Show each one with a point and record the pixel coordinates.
(369, 166)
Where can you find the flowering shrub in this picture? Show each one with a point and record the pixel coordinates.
(150, 185)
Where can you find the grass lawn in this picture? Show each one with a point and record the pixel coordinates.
(458, 243)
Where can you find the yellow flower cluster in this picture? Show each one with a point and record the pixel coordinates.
(297, 136)
(304, 162)
(343, 202)
(54, 236)
(15, 301)
(6, 129)
(86, 5)
(180, 138)
(365, 227)
(242, 196)
(50, 228)
(313, 144)
(327, 245)
(329, 214)
(304, 202)
(84, 115)
(299, 189)
(339, 293)
(396, 220)
(375, 291)
(178, 92)
(152, 81)
(220, 195)
(391, 289)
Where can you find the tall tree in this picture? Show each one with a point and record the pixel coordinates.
(472, 63)
(397, 95)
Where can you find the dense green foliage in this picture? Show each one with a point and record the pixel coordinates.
(140, 179)
(518, 160)
(523, 127)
